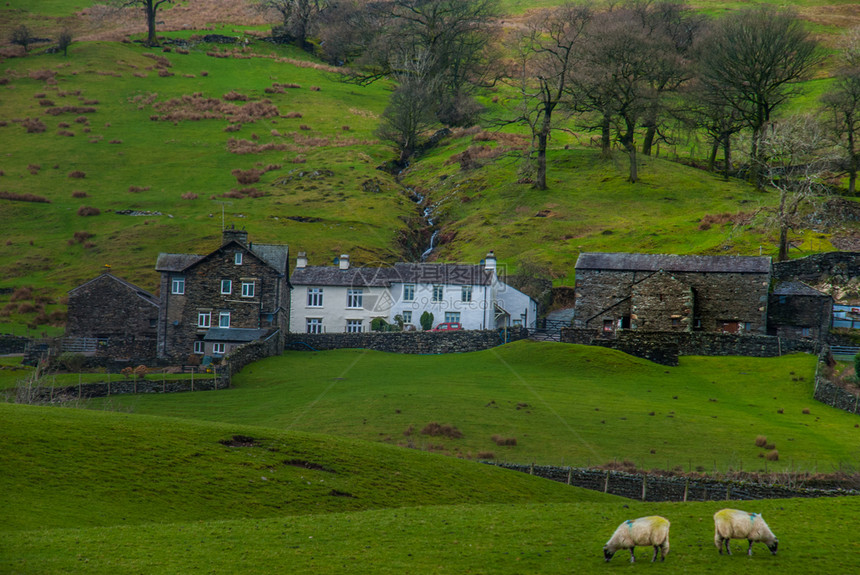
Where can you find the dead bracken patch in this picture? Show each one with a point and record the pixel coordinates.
(435, 429)
(24, 197)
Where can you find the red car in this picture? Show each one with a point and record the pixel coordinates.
(448, 326)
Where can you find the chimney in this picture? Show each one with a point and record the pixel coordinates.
(301, 260)
(230, 234)
(343, 262)
(490, 261)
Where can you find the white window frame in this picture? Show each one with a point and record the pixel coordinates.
(354, 297)
(438, 292)
(199, 347)
(226, 287)
(315, 297)
(177, 285)
(221, 317)
(204, 319)
(218, 349)
(466, 293)
(314, 325)
(354, 326)
(248, 288)
(452, 317)
(237, 258)
(408, 292)
(407, 316)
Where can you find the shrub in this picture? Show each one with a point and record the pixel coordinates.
(140, 371)
(81, 237)
(66, 133)
(77, 174)
(770, 446)
(71, 361)
(127, 372)
(21, 293)
(34, 126)
(46, 103)
(233, 96)
(806, 411)
(88, 211)
(233, 128)
(772, 455)
(82, 120)
(426, 321)
(761, 441)
(434, 429)
(26, 307)
(244, 177)
(79, 194)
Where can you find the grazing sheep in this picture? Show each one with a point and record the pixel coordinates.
(733, 524)
(653, 530)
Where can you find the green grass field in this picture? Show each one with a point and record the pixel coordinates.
(564, 404)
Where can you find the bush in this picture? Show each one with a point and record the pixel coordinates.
(127, 372)
(88, 211)
(772, 455)
(761, 441)
(140, 371)
(72, 362)
(426, 321)
(434, 429)
(379, 324)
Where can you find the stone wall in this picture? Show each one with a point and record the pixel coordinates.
(818, 267)
(59, 394)
(788, 315)
(648, 487)
(12, 344)
(254, 351)
(831, 394)
(665, 347)
(406, 341)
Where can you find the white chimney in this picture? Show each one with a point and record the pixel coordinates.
(343, 263)
(490, 261)
(302, 260)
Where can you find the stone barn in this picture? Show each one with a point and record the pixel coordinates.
(111, 317)
(796, 310)
(658, 292)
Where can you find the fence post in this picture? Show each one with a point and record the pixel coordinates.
(531, 469)
(728, 492)
(569, 472)
(192, 379)
(686, 488)
(644, 486)
(606, 483)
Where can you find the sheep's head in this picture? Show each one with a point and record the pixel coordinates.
(773, 546)
(607, 553)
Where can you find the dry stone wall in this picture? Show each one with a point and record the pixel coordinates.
(406, 341)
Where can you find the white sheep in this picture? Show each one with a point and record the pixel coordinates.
(734, 524)
(653, 530)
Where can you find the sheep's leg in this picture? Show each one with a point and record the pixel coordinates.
(728, 549)
(632, 556)
(749, 551)
(656, 548)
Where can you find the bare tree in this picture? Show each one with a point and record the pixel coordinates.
(707, 112)
(22, 37)
(842, 102)
(297, 17)
(547, 51)
(64, 40)
(411, 111)
(753, 59)
(795, 158)
(150, 10)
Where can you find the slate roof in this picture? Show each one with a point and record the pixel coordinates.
(138, 291)
(797, 288)
(672, 263)
(234, 334)
(448, 274)
(175, 262)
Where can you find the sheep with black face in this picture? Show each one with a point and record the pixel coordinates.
(645, 531)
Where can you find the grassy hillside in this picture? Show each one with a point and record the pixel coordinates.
(71, 468)
(564, 404)
(181, 137)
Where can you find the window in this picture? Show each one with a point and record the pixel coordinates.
(224, 319)
(218, 348)
(676, 322)
(314, 325)
(805, 332)
(518, 323)
(466, 293)
(608, 325)
(315, 297)
(438, 292)
(409, 292)
(247, 289)
(226, 287)
(199, 346)
(238, 258)
(407, 316)
(452, 317)
(177, 286)
(353, 298)
(353, 326)
(204, 319)
(747, 326)
(782, 299)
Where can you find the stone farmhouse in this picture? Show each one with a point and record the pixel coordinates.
(213, 303)
(342, 298)
(711, 294)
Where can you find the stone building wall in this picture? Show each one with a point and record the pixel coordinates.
(203, 294)
(111, 309)
(788, 315)
(718, 297)
(406, 341)
(662, 303)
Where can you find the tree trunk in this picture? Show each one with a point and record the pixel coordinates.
(783, 243)
(727, 154)
(543, 138)
(648, 142)
(712, 158)
(852, 164)
(151, 39)
(852, 181)
(605, 133)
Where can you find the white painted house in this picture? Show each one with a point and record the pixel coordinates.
(334, 299)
